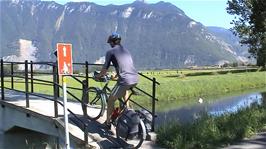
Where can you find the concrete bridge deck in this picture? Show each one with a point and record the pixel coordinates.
(44, 109)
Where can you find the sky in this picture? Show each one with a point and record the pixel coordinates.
(208, 12)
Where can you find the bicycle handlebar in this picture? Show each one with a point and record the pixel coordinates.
(104, 78)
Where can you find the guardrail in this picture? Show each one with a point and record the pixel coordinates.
(27, 76)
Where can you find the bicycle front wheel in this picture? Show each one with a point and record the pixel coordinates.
(97, 102)
(132, 141)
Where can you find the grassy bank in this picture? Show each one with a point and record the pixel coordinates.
(212, 132)
(176, 88)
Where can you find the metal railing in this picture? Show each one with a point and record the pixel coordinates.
(30, 80)
(27, 76)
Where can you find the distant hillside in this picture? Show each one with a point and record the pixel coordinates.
(158, 35)
(227, 36)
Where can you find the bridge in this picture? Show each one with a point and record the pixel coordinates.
(31, 98)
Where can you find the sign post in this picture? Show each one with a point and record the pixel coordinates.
(64, 59)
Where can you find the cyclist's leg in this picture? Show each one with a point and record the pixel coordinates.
(127, 94)
(126, 97)
(117, 92)
(110, 108)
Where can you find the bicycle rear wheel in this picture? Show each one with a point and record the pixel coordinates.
(133, 141)
(97, 102)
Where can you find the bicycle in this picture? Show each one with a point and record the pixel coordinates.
(97, 98)
(121, 117)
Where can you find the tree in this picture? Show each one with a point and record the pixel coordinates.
(250, 26)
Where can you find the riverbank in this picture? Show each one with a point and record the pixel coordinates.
(211, 131)
(178, 88)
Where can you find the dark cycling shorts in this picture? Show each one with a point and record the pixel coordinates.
(119, 91)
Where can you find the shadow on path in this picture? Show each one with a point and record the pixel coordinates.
(105, 138)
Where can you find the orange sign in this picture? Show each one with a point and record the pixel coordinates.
(64, 58)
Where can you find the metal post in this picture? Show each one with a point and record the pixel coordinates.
(2, 80)
(26, 84)
(31, 74)
(57, 81)
(87, 72)
(55, 91)
(87, 80)
(67, 144)
(153, 103)
(12, 75)
(84, 97)
(86, 134)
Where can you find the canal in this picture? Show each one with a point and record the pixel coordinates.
(215, 105)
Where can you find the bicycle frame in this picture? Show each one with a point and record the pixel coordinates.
(106, 91)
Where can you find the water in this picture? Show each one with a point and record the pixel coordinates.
(215, 106)
(233, 104)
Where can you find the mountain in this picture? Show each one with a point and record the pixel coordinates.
(228, 37)
(158, 35)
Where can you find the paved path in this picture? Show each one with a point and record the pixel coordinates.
(256, 142)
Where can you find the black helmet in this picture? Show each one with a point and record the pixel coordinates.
(115, 38)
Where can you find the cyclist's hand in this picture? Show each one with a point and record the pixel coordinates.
(97, 77)
(114, 78)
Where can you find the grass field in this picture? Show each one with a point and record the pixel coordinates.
(173, 88)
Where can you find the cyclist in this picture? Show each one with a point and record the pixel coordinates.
(126, 72)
